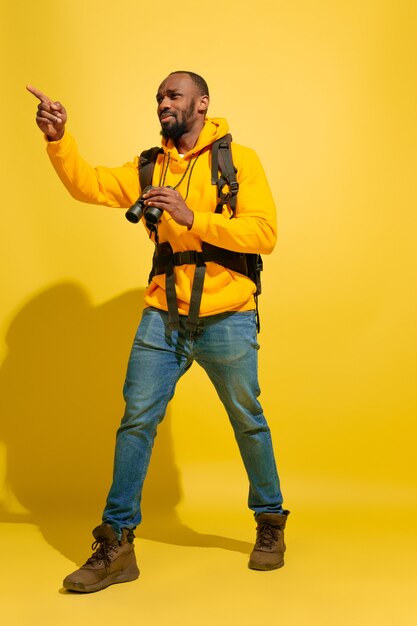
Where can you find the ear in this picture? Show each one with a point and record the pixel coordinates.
(203, 104)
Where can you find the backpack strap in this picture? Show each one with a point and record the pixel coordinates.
(221, 160)
(163, 263)
(146, 165)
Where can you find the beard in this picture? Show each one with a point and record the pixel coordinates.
(177, 128)
(174, 131)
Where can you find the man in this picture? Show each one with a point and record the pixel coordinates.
(223, 341)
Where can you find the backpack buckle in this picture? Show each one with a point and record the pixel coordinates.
(187, 257)
(234, 187)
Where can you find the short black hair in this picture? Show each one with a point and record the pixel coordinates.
(198, 81)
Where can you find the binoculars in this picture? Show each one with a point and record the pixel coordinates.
(139, 209)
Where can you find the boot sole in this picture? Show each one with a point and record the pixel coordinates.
(126, 576)
(265, 567)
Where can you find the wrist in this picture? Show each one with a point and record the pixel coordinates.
(57, 137)
(190, 220)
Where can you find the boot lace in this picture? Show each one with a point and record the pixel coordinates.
(267, 536)
(102, 552)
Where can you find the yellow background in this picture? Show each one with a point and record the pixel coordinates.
(326, 93)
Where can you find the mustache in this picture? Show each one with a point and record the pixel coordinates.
(166, 114)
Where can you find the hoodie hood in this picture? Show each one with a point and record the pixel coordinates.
(213, 129)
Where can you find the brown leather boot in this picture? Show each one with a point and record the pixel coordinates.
(112, 562)
(269, 549)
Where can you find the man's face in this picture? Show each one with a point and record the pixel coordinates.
(178, 105)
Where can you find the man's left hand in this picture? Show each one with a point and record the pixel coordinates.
(172, 202)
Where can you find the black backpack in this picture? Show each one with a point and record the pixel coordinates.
(223, 173)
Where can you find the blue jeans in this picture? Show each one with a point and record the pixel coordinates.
(226, 346)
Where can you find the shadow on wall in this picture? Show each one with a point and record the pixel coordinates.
(61, 403)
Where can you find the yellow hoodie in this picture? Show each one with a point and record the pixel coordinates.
(252, 230)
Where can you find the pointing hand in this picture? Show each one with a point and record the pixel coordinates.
(51, 116)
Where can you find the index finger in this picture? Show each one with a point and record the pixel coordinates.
(38, 94)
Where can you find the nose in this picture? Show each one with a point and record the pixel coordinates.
(163, 104)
